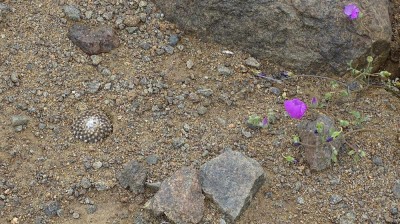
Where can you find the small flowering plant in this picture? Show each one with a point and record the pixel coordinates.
(255, 121)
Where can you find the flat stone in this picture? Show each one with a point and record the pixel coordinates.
(335, 199)
(348, 218)
(93, 40)
(252, 62)
(134, 176)
(231, 180)
(223, 70)
(180, 197)
(19, 120)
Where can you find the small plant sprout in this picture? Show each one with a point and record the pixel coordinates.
(358, 118)
(357, 154)
(296, 140)
(334, 135)
(334, 155)
(365, 73)
(255, 121)
(290, 159)
(295, 108)
(271, 116)
(320, 127)
(328, 96)
(351, 11)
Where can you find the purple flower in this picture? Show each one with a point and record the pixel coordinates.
(264, 121)
(314, 102)
(329, 139)
(295, 108)
(351, 11)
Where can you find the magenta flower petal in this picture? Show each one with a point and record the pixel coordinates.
(295, 108)
(351, 11)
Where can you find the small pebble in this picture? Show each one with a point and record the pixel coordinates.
(75, 215)
(252, 62)
(223, 70)
(189, 64)
(96, 59)
(97, 165)
(300, 200)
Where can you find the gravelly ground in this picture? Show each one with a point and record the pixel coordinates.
(160, 116)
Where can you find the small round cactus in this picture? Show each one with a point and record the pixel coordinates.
(92, 126)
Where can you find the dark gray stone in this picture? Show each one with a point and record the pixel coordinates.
(317, 152)
(231, 180)
(93, 40)
(50, 209)
(307, 36)
(377, 160)
(152, 159)
(133, 176)
(180, 197)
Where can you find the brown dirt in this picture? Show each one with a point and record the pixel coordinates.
(41, 165)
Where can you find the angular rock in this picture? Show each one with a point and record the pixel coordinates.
(134, 176)
(180, 197)
(313, 36)
(231, 180)
(252, 62)
(317, 152)
(51, 208)
(18, 120)
(72, 12)
(93, 40)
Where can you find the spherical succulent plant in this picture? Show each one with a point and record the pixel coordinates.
(92, 126)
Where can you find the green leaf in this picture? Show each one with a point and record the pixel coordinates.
(328, 96)
(289, 158)
(362, 153)
(356, 114)
(320, 127)
(335, 134)
(296, 139)
(344, 123)
(334, 158)
(351, 152)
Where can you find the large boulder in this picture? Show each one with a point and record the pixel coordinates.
(309, 36)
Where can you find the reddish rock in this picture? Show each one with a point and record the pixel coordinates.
(93, 40)
(180, 197)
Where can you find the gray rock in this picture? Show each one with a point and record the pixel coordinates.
(252, 62)
(19, 120)
(169, 49)
(152, 159)
(231, 180)
(178, 142)
(348, 218)
(72, 12)
(300, 200)
(246, 134)
(335, 199)
(93, 87)
(93, 41)
(97, 165)
(205, 92)
(224, 70)
(133, 176)
(396, 189)
(377, 160)
(317, 152)
(201, 110)
(173, 40)
(180, 197)
(312, 37)
(90, 209)
(96, 59)
(145, 45)
(75, 215)
(50, 209)
(85, 183)
(275, 91)
(189, 64)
